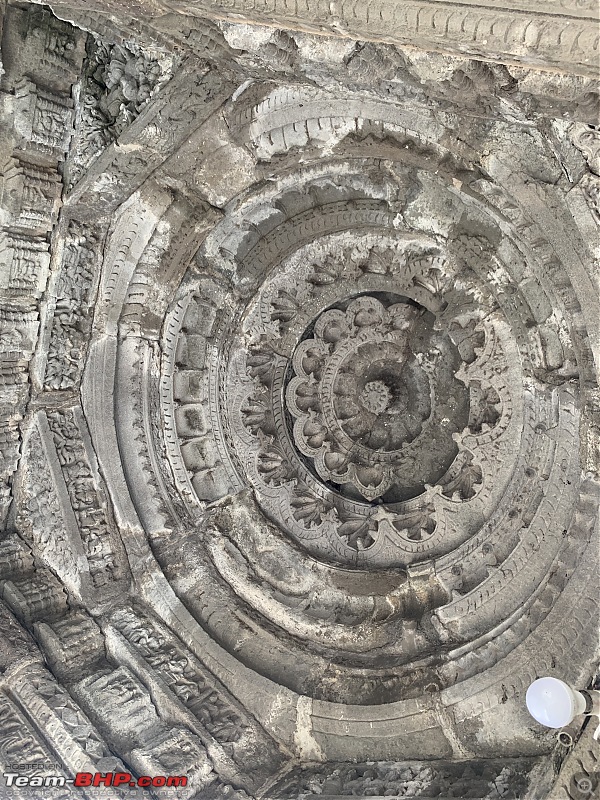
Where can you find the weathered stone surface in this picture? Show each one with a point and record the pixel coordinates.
(299, 337)
(405, 779)
(560, 33)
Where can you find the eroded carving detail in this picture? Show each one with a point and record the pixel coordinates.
(33, 194)
(347, 421)
(118, 82)
(198, 690)
(24, 265)
(378, 339)
(20, 745)
(405, 779)
(90, 512)
(72, 315)
(43, 119)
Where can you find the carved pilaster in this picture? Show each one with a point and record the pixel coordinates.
(122, 708)
(120, 705)
(24, 263)
(72, 645)
(18, 332)
(15, 557)
(42, 57)
(35, 597)
(233, 737)
(42, 120)
(19, 744)
(70, 308)
(16, 645)
(86, 497)
(66, 727)
(31, 196)
(176, 753)
(81, 542)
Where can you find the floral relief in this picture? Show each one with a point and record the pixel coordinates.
(358, 392)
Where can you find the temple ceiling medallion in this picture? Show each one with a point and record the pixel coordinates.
(299, 391)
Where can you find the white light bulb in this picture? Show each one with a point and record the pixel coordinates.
(553, 703)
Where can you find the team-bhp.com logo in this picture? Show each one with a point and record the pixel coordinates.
(87, 779)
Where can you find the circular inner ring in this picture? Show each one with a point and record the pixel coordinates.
(372, 399)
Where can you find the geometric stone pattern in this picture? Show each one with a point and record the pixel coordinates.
(299, 390)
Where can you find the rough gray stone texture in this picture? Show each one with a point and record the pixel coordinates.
(483, 780)
(299, 339)
(550, 33)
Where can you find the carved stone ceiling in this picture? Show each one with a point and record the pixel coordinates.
(299, 394)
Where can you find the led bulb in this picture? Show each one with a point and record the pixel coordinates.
(553, 703)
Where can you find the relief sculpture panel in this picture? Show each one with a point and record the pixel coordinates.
(299, 400)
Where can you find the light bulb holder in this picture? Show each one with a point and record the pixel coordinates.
(592, 702)
(566, 736)
(553, 703)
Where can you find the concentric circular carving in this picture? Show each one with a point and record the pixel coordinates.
(361, 392)
(364, 392)
(338, 410)
(354, 393)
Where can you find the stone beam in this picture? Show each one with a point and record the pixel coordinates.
(546, 34)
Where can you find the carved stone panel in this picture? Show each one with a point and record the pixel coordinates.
(299, 407)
